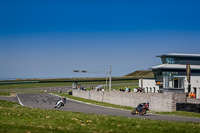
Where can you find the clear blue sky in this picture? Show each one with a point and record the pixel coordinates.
(46, 38)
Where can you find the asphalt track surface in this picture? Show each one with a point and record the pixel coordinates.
(47, 101)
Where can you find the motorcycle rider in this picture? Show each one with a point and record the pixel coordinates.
(63, 100)
(140, 106)
(147, 103)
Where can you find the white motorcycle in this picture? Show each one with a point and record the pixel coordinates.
(60, 102)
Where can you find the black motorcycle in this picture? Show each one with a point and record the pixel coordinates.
(141, 109)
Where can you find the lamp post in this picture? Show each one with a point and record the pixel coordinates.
(106, 80)
(110, 75)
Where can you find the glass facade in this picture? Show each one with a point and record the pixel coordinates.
(173, 82)
(180, 60)
(170, 60)
(169, 79)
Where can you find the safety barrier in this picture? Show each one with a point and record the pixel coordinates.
(19, 82)
(189, 107)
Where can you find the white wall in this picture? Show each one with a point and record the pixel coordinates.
(195, 83)
(149, 85)
(198, 93)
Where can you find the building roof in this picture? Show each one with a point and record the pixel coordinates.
(180, 55)
(175, 66)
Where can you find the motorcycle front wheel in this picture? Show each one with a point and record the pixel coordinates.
(142, 112)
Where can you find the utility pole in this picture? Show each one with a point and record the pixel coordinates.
(141, 82)
(106, 80)
(110, 73)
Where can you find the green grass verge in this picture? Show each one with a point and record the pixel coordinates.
(33, 85)
(181, 113)
(19, 119)
(2, 93)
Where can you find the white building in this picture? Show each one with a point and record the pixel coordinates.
(171, 76)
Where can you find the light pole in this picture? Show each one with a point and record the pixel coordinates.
(106, 80)
(110, 73)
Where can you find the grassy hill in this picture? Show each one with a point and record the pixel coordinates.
(143, 73)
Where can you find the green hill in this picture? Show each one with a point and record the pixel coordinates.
(143, 73)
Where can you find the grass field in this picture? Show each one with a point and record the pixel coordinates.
(55, 84)
(4, 93)
(33, 85)
(19, 119)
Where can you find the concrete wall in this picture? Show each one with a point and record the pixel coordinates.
(157, 101)
(192, 100)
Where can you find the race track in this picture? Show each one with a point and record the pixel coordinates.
(47, 101)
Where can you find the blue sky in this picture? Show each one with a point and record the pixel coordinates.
(50, 39)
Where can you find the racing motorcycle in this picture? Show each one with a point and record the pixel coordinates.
(60, 102)
(141, 109)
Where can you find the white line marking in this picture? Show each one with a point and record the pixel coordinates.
(20, 101)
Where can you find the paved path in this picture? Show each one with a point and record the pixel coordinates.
(47, 101)
(11, 99)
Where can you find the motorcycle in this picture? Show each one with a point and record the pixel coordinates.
(141, 109)
(60, 102)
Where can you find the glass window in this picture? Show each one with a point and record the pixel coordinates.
(170, 60)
